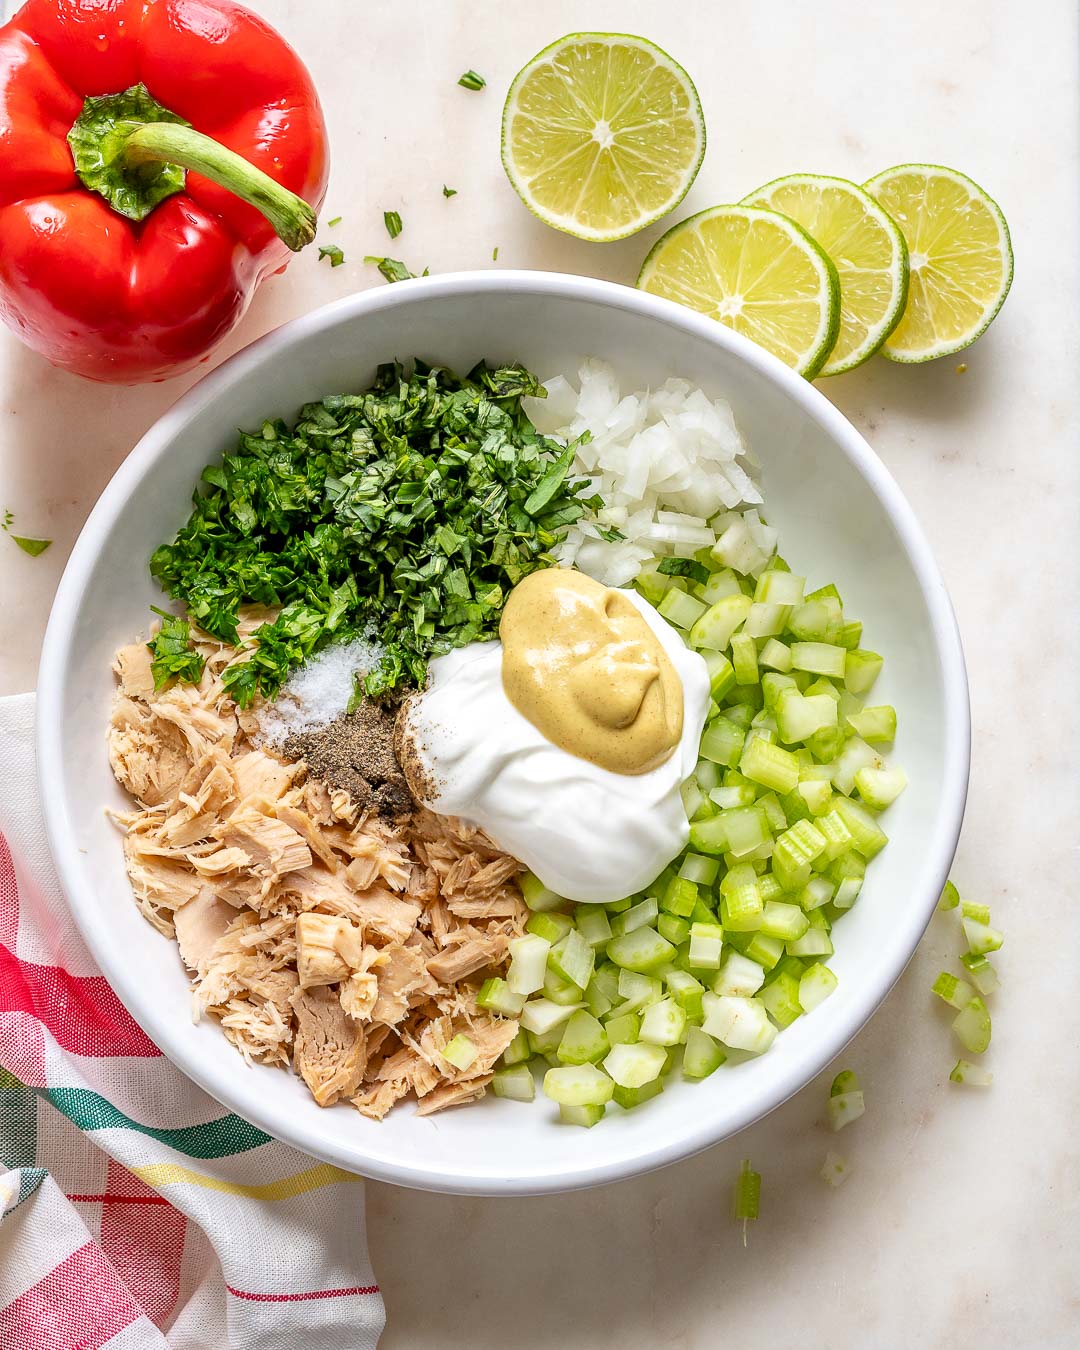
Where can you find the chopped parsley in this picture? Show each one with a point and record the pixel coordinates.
(684, 567)
(470, 80)
(392, 221)
(391, 269)
(174, 656)
(410, 510)
(35, 547)
(332, 252)
(448, 191)
(332, 223)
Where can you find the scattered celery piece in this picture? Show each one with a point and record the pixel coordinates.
(972, 1075)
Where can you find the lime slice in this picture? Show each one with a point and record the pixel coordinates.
(756, 271)
(960, 255)
(602, 134)
(866, 248)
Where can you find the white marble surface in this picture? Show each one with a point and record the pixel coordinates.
(960, 1224)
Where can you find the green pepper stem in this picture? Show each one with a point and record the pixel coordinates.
(174, 143)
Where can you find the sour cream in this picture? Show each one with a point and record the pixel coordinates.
(588, 833)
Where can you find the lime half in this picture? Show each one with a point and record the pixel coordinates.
(960, 254)
(602, 134)
(758, 272)
(866, 248)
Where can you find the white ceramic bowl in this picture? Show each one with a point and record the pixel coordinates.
(841, 518)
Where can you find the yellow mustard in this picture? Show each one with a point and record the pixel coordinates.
(583, 666)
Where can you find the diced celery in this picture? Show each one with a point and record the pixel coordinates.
(769, 765)
(817, 619)
(519, 1050)
(876, 726)
(861, 669)
(593, 924)
(721, 673)
(783, 921)
(546, 1043)
(779, 588)
(775, 656)
(971, 909)
(698, 869)
(983, 975)
(814, 942)
(628, 1098)
(497, 996)
(460, 1052)
(867, 837)
(703, 1054)
(674, 929)
(972, 1027)
(741, 714)
(719, 584)
(879, 788)
(550, 926)
(639, 990)
(740, 1023)
(956, 993)
(834, 1169)
(619, 906)
(819, 658)
(663, 1023)
(774, 812)
(781, 998)
(537, 895)
(681, 609)
(741, 909)
(528, 963)
(973, 1075)
(706, 941)
(573, 959)
(541, 1015)
(686, 991)
(765, 621)
(746, 828)
(950, 897)
(623, 1030)
(766, 951)
(584, 1040)
(818, 891)
(722, 742)
(847, 892)
(716, 627)
(981, 938)
(844, 1107)
(588, 1116)
(816, 794)
(800, 716)
(632, 1066)
(643, 950)
(708, 775)
(738, 975)
(693, 799)
(855, 755)
(747, 1197)
(516, 1083)
(561, 990)
(640, 915)
(815, 986)
(838, 838)
(736, 549)
(794, 852)
(744, 658)
(680, 896)
(850, 635)
(578, 1085)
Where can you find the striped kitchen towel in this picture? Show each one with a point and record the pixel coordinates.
(134, 1210)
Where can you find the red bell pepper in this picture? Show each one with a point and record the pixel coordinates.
(158, 158)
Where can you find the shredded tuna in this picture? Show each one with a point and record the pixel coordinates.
(320, 939)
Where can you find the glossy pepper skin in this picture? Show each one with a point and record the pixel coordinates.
(112, 298)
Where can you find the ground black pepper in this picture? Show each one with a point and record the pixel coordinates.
(356, 753)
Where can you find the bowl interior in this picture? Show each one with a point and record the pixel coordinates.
(841, 519)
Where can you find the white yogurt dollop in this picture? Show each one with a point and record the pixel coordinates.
(587, 833)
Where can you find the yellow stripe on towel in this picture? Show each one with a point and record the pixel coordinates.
(169, 1174)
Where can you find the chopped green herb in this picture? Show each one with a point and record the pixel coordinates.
(335, 221)
(32, 546)
(332, 252)
(448, 191)
(8, 518)
(470, 80)
(495, 254)
(411, 508)
(175, 658)
(684, 567)
(391, 269)
(392, 221)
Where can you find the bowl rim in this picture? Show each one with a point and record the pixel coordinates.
(57, 654)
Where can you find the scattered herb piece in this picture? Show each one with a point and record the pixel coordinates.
(391, 269)
(410, 509)
(495, 254)
(684, 567)
(448, 191)
(470, 80)
(747, 1195)
(8, 518)
(392, 221)
(32, 546)
(332, 252)
(335, 221)
(175, 658)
